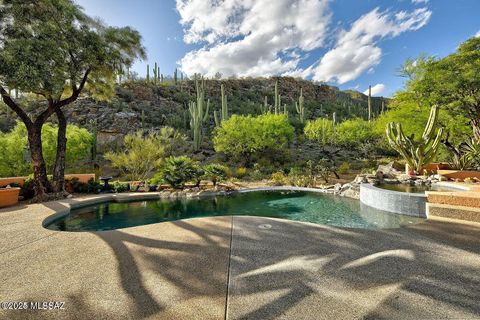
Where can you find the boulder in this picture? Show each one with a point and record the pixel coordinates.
(337, 188)
(351, 193)
(405, 178)
(360, 179)
(379, 175)
(419, 182)
(442, 178)
(390, 170)
(469, 180)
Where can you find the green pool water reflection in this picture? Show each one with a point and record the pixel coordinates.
(292, 205)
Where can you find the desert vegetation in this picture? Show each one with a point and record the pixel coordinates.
(59, 99)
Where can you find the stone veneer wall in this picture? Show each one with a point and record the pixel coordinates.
(412, 204)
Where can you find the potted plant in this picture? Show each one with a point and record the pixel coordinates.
(9, 196)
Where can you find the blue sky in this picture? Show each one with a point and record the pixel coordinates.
(347, 43)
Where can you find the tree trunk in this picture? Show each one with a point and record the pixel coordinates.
(59, 168)
(41, 184)
(476, 127)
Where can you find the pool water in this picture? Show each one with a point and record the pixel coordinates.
(413, 188)
(291, 205)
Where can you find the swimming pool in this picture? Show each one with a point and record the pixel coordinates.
(293, 205)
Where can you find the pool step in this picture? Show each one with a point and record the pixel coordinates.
(453, 211)
(461, 198)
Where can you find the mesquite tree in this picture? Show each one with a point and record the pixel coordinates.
(52, 51)
(452, 82)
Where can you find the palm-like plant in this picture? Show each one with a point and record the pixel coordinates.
(177, 171)
(464, 156)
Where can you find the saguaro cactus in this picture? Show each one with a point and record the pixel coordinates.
(416, 153)
(198, 113)
(300, 107)
(175, 78)
(265, 108)
(278, 99)
(148, 72)
(369, 103)
(142, 119)
(155, 73)
(334, 121)
(224, 112)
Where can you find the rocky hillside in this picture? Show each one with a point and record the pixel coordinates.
(140, 104)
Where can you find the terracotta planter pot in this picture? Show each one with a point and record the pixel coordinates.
(7, 181)
(9, 197)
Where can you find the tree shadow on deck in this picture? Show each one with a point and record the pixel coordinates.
(419, 272)
(159, 267)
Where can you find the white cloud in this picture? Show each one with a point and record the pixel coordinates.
(477, 34)
(249, 37)
(376, 89)
(263, 38)
(420, 1)
(356, 50)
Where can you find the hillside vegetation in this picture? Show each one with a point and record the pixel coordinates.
(140, 104)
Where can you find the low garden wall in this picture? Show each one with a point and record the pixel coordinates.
(412, 204)
(458, 174)
(82, 177)
(431, 168)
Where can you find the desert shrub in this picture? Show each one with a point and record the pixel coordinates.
(278, 178)
(241, 172)
(157, 179)
(344, 168)
(92, 186)
(354, 132)
(299, 178)
(325, 168)
(216, 172)
(119, 186)
(256, 174)
(176, 171)
(143, 154)
(14, 154)
(320, 130)
(241, 137)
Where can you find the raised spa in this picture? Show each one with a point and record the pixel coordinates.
(414, 188)
(292, 205)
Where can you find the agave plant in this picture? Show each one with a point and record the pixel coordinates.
(464, 156)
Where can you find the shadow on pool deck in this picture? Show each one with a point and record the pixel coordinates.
(316, 272)
(183, 270)
(174, 270)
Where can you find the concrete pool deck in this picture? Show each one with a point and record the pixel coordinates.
(239, 268)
